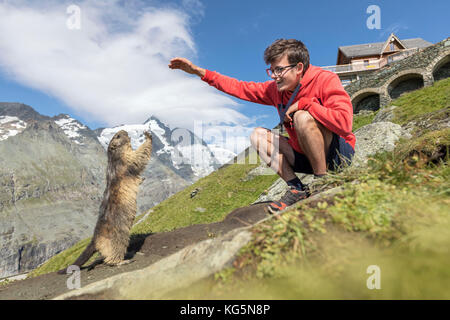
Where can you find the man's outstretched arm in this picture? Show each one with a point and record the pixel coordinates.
(187, 66)
(249, 91)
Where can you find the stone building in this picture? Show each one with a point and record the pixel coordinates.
(422, 68)
(358, 60)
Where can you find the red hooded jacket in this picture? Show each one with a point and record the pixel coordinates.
(321, 94)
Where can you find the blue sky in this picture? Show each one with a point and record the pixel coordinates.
(225, 36)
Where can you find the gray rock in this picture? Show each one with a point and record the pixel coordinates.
(262, 170)
(385, 114)
(376, 137)
(365, 112)
(436, 120)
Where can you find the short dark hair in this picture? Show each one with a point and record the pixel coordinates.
(295, 49)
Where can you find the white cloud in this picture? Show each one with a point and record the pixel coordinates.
(194, 7)
(114, 69)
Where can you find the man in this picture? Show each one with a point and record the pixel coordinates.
(318, 118)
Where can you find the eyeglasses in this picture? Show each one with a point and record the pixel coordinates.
(278, 71)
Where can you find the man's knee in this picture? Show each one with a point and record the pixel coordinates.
(304, 121)
(258, 134)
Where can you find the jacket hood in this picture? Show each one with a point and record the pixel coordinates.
(310, 75)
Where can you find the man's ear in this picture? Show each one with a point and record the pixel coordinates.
(300, 67)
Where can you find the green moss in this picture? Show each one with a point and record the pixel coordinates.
(362, 120)
(428, 147)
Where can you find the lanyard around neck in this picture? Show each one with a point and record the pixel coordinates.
(284, 109)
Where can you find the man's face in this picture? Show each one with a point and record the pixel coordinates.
(289, 77)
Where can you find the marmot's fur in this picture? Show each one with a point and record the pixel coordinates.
(118, 208)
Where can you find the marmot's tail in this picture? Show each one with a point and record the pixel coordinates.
(83, 258)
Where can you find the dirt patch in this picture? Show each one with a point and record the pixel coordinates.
(143, 251)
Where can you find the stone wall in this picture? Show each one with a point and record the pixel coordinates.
(443, 72)
(371, 103)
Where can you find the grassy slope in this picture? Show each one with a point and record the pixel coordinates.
(361, 120)
(394, 214)
(422, 101)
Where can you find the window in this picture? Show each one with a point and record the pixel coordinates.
(392, 47)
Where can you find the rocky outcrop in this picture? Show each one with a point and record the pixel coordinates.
(436, 120)
(376, 137)
(30, 255)
(50, 190)
(30, 235)
(385, 114)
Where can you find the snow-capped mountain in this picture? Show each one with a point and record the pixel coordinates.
(186, 153)
(221, 154)
(71, 127)
(10, 126)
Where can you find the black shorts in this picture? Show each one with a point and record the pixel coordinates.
(339, 154)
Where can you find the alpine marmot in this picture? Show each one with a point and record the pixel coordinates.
(118, 208)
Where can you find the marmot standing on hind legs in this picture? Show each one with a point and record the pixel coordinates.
(118, 208)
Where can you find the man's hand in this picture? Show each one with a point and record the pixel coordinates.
(290, 112)
(187, 66)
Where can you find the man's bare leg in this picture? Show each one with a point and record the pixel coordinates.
(314, 139)
(275, 151)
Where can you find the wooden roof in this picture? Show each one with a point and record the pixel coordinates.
(377, 48)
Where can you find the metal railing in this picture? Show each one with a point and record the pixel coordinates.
(401, 55)
(357, 66)
(360, 65)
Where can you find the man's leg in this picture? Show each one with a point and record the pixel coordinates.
(275, 151)
(314, 139)
(279, 155)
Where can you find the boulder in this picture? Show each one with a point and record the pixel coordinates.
(376, 137)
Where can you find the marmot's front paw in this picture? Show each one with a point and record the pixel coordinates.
(148, 135)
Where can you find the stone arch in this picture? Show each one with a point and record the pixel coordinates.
(405, 81)
(440, 66)
(366, 99)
